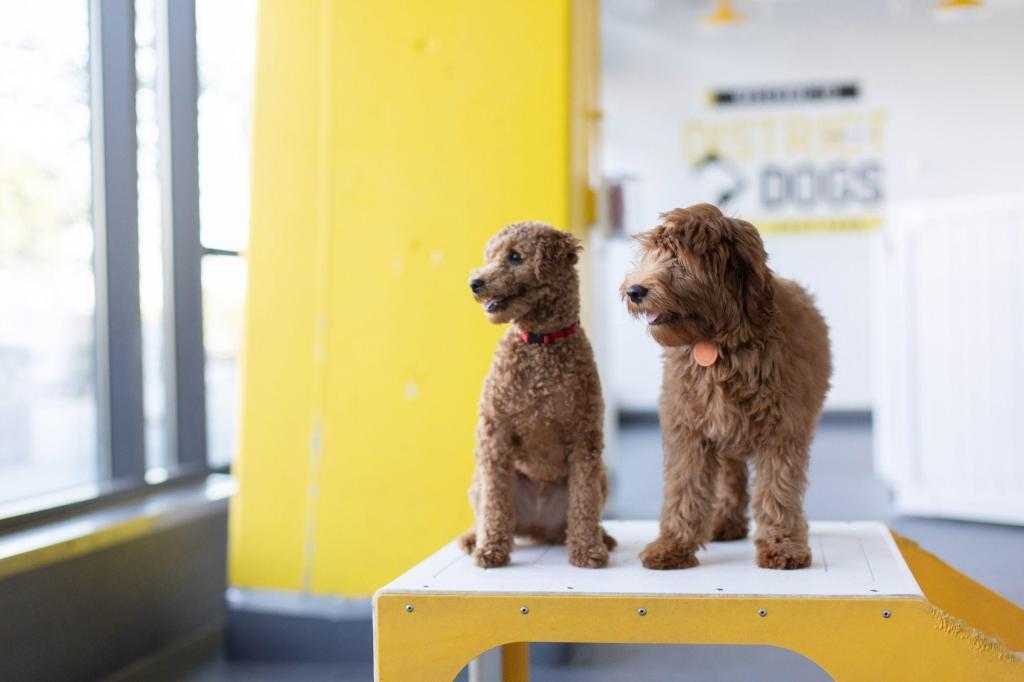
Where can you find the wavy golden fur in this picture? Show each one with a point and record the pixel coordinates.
(703, 277)
(539, 472)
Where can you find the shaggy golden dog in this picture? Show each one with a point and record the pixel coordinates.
(539, 472)
(747, 366)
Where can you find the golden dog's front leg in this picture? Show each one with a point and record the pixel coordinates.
(585, 538)
(496, 515)
(691, 471)
(781, 536)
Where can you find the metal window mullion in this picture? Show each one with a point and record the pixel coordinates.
(115, 220)
(178, 92)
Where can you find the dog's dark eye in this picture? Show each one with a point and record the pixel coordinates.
(514, 257)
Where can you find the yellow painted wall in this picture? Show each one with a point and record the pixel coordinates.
(390, 141)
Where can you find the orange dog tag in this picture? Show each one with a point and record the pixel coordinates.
(705, 354)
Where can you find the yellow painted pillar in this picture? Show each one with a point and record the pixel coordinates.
(390, 141)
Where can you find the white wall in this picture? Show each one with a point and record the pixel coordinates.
(950, 96)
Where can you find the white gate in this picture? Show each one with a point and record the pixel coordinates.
(949, 350)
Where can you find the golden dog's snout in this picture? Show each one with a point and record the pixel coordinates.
(637, 293)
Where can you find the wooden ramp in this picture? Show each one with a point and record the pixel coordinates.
(871, 606)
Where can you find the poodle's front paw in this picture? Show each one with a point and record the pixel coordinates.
(491, 556)
(608, 540)
(665, 554)
(589, 556)
(468, 541)
(783, 555)
(730, 529)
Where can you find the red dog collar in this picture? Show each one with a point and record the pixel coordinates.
(530, 337)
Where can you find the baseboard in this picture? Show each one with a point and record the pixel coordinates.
(831, 417)
(847, 417)
(638, 418)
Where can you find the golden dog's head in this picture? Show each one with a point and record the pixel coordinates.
(529, 274)
(701, 277)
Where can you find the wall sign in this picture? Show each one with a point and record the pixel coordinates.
(810, 163)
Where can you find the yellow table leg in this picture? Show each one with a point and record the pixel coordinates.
(515, 662)
(959, 596)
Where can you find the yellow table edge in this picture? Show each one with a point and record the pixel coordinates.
(433, 636)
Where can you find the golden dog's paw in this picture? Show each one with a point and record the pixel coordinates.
(608, 540)
(662, 555)
(783, 556)
(491, 556)
(730, 529)
(468, 541)
(589, 556)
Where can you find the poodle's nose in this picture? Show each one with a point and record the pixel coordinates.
(636, 293)
(476, 285)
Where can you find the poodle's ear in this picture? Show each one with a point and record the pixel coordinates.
(560, 248)
(749, 267)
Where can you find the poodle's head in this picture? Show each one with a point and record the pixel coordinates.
(701, 277)
(529, 275)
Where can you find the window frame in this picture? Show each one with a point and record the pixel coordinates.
(112, 87)
(122, 468)
(178, 101)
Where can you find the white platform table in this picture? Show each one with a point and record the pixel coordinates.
(857, 559)
(870, 606)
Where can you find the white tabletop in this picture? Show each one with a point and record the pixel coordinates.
(855, 559)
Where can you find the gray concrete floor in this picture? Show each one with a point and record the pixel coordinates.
(843, 487)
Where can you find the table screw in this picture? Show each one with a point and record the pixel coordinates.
(886, 613)
(523, 610)
(409, 608)
(762, 613)
(641, 611)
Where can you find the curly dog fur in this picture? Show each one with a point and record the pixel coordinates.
(539, 473)
(703, 277)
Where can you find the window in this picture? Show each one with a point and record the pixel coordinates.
(48, 388)
(105, 380)
(226, 36)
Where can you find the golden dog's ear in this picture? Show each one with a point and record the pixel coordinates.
(663, 238)
(749, 267)
(697, 229)
(652, 239)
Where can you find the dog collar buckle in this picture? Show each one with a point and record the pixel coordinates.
(545, 339)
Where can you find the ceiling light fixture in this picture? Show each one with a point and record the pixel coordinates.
(957, 10)
(722, 15)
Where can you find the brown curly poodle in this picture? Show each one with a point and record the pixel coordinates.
(747, 366)
(539, 473)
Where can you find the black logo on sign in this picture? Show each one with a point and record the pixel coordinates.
(732, 181)
(785, 94)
